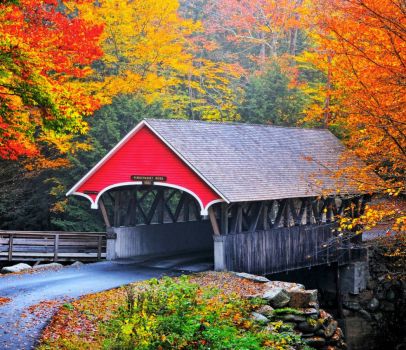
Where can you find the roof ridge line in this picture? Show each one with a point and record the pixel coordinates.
(193, 121)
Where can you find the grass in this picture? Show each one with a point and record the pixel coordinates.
(204, 311)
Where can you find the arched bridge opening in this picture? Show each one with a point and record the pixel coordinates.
(147, 220)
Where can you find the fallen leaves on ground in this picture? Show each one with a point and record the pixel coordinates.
(228, 283)
(43, 308)
(4, 300)
(78, 324)
(80, 319)
(32, 271)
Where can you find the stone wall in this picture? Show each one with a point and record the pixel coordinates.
(373, 294)
(290, 306)
(375, 317)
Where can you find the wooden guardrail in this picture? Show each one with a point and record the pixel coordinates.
(52, 245)
(287, 248)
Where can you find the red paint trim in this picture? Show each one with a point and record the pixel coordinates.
(145, 154)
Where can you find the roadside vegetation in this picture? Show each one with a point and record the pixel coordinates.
(182, 313)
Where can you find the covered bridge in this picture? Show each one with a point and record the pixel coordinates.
(261, 198)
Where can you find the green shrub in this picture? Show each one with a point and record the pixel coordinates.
(68, 306)
(177, 314)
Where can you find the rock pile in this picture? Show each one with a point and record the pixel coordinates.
(15, 268)
(23, 267)
(299, 310)
(382, 305)
(386, 288)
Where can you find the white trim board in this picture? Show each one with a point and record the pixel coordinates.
(95, 203)
(121, 144)
(105, 158)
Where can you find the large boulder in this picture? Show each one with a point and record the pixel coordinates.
(330, 329)
(16, 268)
(338, 335)
(316, 342)
(308, 326)
(292, 317)
(352, 305)
(48, 266)
(255, 278)
(302, 298)
(266, 310)
(325, 316)
(277, 297)
(373, 304)
(311, 311)
(259, 317)
(288, 286)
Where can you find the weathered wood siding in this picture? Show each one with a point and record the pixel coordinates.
(160, 239)
(281, 249)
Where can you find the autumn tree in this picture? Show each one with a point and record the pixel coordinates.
(37, 201)
(258, 38)
(45, 52)
(150, 51)
(259, 29)
(360, 45)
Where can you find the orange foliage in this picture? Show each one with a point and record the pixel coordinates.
(262, 25)
(4, 300)
(361, 47)
(45, 51)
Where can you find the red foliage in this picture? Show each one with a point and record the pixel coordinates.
(4, 300)
(44, 50)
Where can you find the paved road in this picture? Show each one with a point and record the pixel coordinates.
(20, 329)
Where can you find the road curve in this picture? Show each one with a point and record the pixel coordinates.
(20, 329)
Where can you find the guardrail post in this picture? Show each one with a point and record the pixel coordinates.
(111, 240)
(219, 253)
(56, 247)
(10, 247)
(99, 247)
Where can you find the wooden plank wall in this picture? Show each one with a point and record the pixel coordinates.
(55, 246)
(282, 249)
(163, 239)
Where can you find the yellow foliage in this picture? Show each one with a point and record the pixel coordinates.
(144, 44)
(357, 50)
(149, 50)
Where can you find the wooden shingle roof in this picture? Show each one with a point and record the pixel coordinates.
(246, 162)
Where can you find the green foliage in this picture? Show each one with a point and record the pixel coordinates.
(24, 203)
(68, 306)
(181, 315)
(270, 100)
(311, 321)
(287, 310)
(257, 302)
(37, 201)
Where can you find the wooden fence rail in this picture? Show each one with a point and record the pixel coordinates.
(284, 249)
(52, 245)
